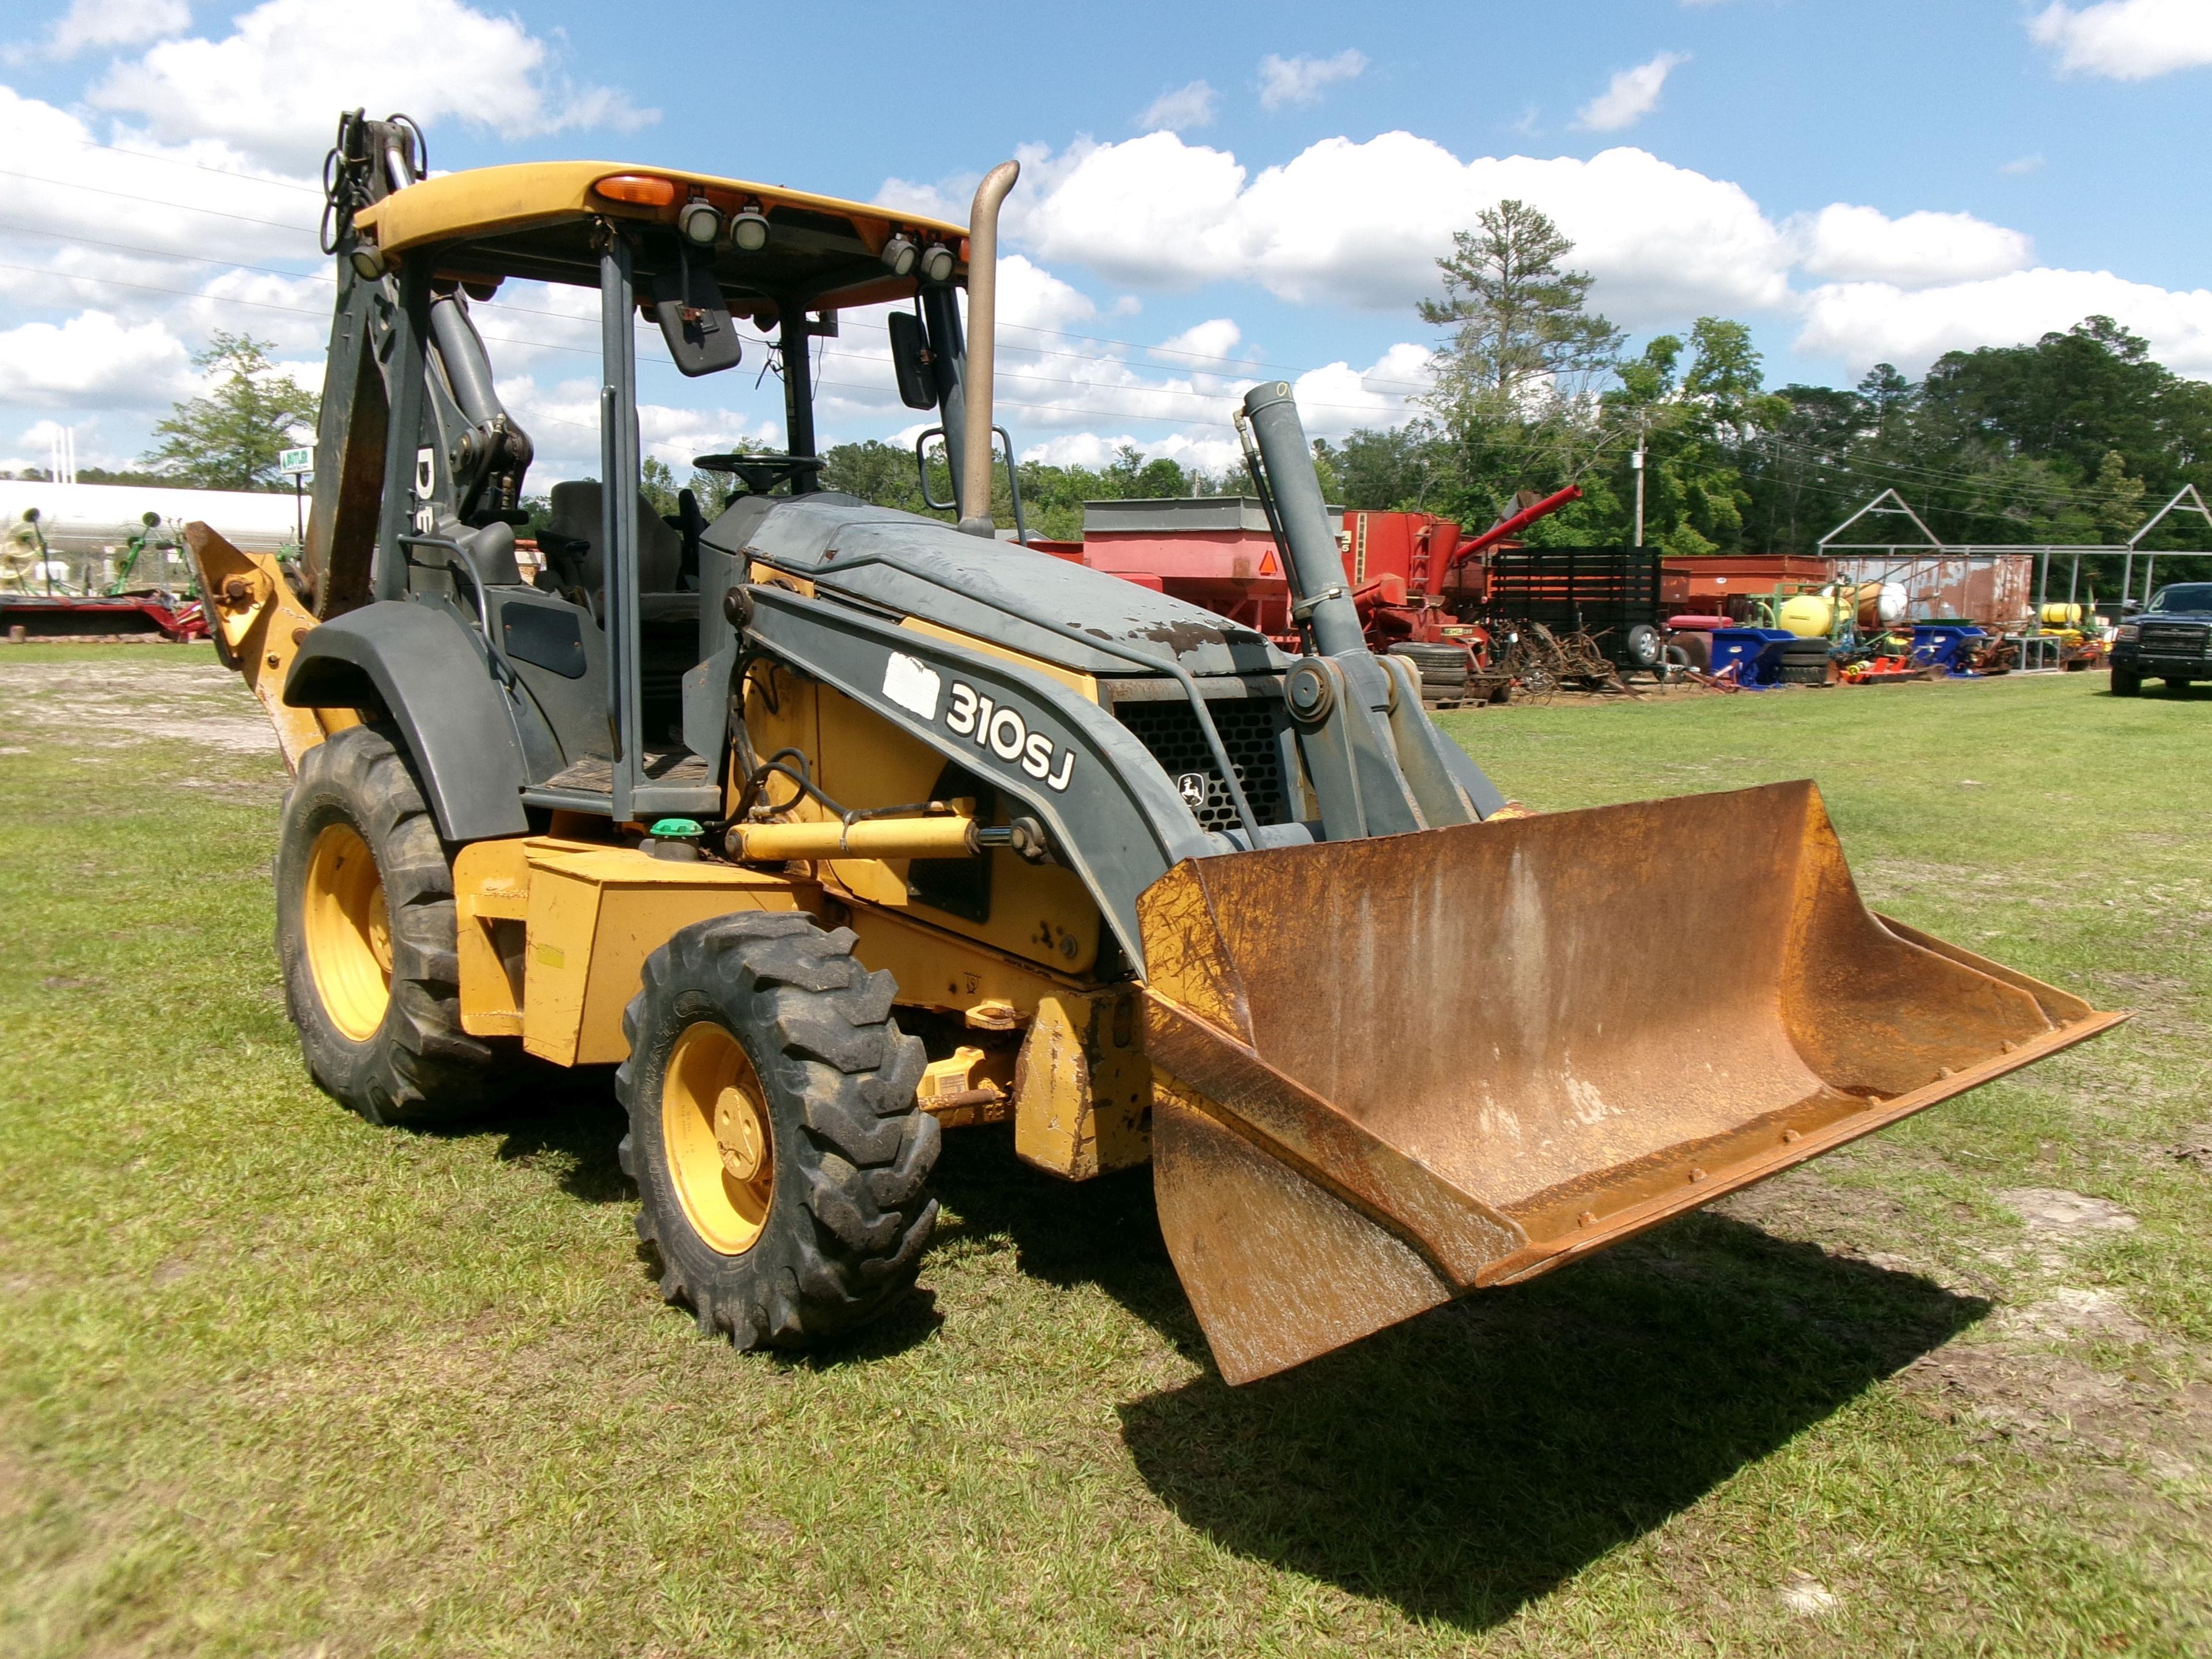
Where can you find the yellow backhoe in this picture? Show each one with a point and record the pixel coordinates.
(832, 826)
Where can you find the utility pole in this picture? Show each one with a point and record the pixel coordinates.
(1636, 466)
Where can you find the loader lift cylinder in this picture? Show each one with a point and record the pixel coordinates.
(1316, 569)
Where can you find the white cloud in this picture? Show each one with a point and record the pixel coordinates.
(1303, 80)
(1631, 95)
(198, 197)
(1363, 223)
(2021, 166)
(93, 23)
(1866, 323)
(2127, 39)
(1337, 398)
(1178, 110)
(273, 86)
(1921, 250)
(562, 420)
(93, 357)
(1209, 343)
(1031, 296)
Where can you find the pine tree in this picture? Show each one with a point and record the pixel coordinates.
(1519, 328)
(233, 438)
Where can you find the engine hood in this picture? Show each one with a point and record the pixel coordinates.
(921, 568)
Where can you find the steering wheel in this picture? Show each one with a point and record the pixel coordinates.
(761, 473)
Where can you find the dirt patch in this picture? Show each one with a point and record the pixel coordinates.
(125, 703)
(2059, 1224)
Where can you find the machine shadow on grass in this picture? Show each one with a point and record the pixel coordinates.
(1466, 1463)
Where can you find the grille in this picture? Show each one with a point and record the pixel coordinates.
(2180, 638)
(1247, 727)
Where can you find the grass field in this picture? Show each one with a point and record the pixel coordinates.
(275, 1381)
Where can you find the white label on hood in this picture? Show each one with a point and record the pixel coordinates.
(913, 684)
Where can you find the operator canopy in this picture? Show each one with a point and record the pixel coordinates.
(765, 247)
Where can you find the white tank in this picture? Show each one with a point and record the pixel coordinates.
(93, 518)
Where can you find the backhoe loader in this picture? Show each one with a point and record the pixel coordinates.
(832, 826)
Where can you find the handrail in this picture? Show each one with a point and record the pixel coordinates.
(1013, 478)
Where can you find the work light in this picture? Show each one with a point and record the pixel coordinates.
(937, 263)
(749, 230)
(700, 222)
(900, 255)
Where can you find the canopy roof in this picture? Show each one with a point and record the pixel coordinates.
(534, 220)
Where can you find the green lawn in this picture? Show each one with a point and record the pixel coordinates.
(274, 1382)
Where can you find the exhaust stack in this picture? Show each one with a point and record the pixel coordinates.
(983, 347)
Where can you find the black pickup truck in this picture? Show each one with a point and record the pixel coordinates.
(2171, 639)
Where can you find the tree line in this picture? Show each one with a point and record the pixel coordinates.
(2074, 438)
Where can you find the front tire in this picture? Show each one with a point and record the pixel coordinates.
(366, 933)
(779, 1154)
(2127, 682)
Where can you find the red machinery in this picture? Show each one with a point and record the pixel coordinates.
(79, 616)
(1213, 550)
(1415, 581)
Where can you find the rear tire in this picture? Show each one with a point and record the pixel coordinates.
(1443, 668)
(779, 1154)
(366, 933)
(2127, 683)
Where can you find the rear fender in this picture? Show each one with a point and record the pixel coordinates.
(431, 673)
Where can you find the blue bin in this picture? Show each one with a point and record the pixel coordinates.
(1755, 652)
(1938, 644)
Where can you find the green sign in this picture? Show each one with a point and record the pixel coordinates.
(296, 460)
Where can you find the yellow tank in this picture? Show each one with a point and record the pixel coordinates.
(1810, 617)
(2062, 615)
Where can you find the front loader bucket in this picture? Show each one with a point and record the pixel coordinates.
(1390, 1072)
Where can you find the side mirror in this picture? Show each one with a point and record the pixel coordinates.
(694, 320)
(917, 387)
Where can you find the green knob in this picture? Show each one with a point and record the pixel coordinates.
(675, 830)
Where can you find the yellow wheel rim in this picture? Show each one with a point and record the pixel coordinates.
(715, 1127)
(349, 933)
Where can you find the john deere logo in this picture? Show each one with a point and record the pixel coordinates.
(1192, 786)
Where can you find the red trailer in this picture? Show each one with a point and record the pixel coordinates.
(1419, 586)
(1214, 550)
(99, 615)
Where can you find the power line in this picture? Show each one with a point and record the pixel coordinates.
(1910, 473)
(592, 352)
(156, 201)
(202, 166)
(1240, 365)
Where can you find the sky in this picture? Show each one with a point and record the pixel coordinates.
(1209, 196)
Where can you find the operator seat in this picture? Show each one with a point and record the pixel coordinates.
(575, 519)
(667, 614)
